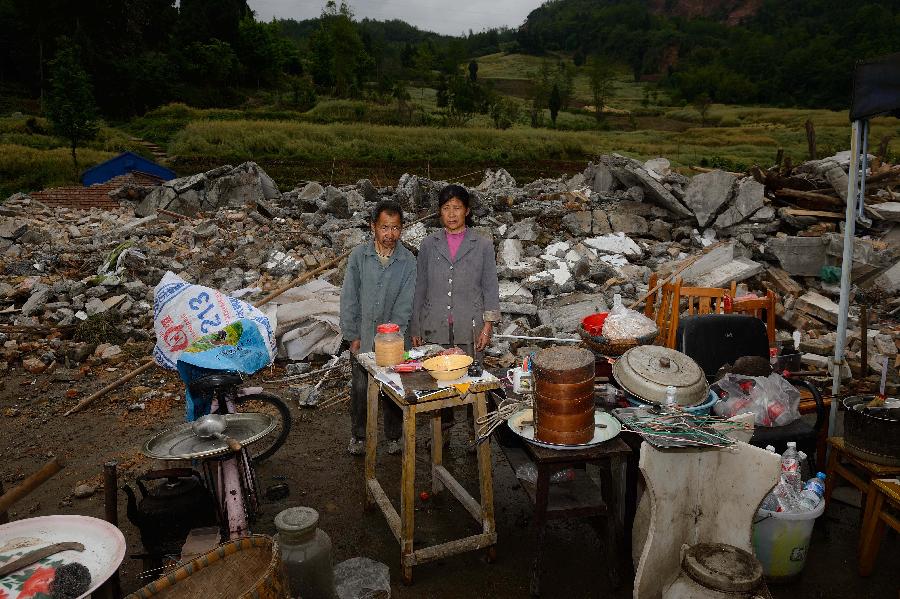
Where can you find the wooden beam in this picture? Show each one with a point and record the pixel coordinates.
(436, 552)
(809, 195)
(458, 491)
(818, 213)
(386, 507)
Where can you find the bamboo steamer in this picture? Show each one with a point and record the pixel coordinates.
(564, 395)
(246, 568)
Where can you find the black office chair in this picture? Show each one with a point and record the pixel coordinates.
(714, 340)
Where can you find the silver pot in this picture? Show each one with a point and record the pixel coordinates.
(646, 370)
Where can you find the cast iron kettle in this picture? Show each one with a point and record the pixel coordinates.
(168, 511)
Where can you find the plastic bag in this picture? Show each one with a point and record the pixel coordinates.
(183, 313)
(528, 472)
(772, 399)
(623, 323)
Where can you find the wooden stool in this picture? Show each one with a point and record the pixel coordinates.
(580, 498)
(402, 525)
(881, 492)
(856, 471)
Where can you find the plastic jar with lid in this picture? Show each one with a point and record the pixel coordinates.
(305, 553)
(388, 344)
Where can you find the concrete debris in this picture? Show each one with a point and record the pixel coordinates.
(707, 193)
(564, 246)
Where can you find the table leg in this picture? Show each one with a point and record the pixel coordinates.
(610, 494)
(871, 533)
(485, 473)
(830, 474)
(437, 450)
(542, 492)
(408, 490)
(372, 393)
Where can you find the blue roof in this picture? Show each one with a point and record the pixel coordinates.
(124, 163)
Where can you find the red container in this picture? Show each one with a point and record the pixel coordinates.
(593, 324)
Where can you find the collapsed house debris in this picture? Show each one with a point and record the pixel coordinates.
(77, 284)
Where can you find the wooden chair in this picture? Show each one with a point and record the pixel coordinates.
(700, 301)
(663, 313)
(883, 494)
(760, 307)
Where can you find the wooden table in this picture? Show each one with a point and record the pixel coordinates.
(857, 471)
(580, 498)
(402, 525)
(882, 493)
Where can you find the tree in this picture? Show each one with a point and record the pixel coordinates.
(464, 99)
(554, 103)
(339, 59)
(70, 104)
(504, 111)
(702, 103)
(578, 58)
(473, 71)
(601, 80)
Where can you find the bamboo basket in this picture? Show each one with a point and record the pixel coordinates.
(246, 568)
(614, 347)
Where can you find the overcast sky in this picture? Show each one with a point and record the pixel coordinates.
(451, 17)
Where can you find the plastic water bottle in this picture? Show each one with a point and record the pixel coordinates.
(770, 503)
(787, 497)
(813, 492)
(790, 467)
(671, 400)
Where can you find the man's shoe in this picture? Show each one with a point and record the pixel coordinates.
(394, 447)
(357, 446)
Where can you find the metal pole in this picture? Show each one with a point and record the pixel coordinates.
(863, 167)
(846, 265)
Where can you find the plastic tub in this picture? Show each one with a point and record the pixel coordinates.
(781, 541)
(701, 410)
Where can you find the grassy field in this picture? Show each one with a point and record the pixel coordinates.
(344, 138)
(31, 157)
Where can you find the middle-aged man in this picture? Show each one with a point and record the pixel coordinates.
(378, 288)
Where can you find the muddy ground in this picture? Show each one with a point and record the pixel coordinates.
(321, 474)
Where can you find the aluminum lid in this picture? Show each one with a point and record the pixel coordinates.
(646, 370)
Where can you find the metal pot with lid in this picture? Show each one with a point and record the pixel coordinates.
(646, 370)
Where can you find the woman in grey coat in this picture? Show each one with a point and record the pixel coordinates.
(456, 282)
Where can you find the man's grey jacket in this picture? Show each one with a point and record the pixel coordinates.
(373, 294)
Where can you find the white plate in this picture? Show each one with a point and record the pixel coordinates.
(601, 435)
(104, 547)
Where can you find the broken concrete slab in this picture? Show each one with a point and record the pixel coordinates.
(525, 230)
(748, 199)
(707, 193)
(713, 258)
(630, 224)
(564, 313)
(614, 243)
(889, 211)
(600, 222)
(600, 178)
(159, 198)
(655, 192)
(36, 302)
(737, 270)
(819, 306)
(12, 228)
(515, 292)
(578, 223)
(889, 280)
(804, 256)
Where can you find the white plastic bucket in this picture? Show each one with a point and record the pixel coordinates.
(781, 540)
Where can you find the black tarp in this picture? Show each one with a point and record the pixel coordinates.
(876, 88)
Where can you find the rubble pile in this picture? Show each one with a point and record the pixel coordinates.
(564, 247)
